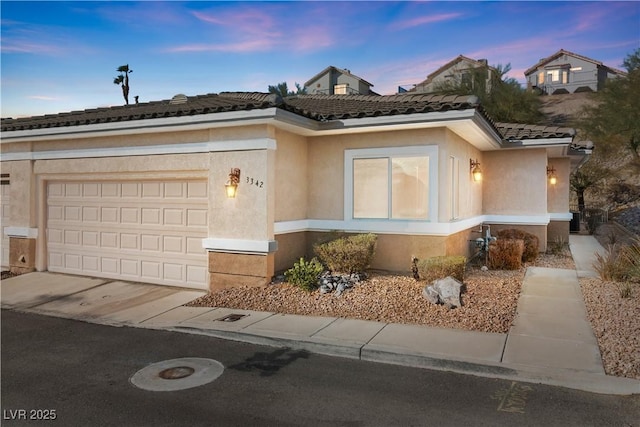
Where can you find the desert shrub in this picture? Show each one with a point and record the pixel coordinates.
(506, 254)
(558, 246)
(351, 254)
(609, 265)
(305, 274)
(631, 261)
(439, 267)
(531, 242)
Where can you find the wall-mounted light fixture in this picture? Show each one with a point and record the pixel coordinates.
(231, 186)
(475, 169)
(551, 173)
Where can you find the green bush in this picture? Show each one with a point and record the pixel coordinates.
(439, 267)
(305, 274)
(351, 254)
(531, 242)
(506, 254)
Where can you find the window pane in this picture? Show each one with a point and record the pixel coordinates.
(410, 187)
(371, 188)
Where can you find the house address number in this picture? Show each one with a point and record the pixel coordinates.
(253, 181)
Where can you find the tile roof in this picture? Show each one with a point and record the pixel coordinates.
(316, 107)
(201, 104)
(340, 107)
(517, 131)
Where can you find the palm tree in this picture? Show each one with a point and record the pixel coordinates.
(123, 79)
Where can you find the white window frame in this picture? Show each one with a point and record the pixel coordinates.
(365, 153)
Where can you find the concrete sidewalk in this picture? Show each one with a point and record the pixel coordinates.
(551, 341)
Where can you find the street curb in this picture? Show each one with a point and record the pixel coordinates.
(593, 383)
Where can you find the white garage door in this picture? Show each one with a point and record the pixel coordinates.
(139, 231)
(4, 212)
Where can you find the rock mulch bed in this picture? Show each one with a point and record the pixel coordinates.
(489, 301)
(616, 324)
(489, 304)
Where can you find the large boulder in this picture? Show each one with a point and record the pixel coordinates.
(445, 291)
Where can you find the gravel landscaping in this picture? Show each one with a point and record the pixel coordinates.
(489, 301)
(489, 305)
(616, 324)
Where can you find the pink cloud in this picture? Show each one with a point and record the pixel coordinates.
(44, 98)
(424, 20)
(240, 47)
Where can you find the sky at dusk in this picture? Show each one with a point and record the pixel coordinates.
(62, 56)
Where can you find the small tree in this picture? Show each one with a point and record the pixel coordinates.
(123, 80)
(502, 97)
(587, 177)
(282, 90)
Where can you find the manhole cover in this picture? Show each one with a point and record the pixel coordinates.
(177, 374)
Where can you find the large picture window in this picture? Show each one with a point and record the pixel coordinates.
(393, 183)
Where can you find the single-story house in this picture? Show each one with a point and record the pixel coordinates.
(139, 192)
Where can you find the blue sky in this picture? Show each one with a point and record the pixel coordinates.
(62, 56)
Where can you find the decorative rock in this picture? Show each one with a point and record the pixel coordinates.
(431, 294)
(445, 291)
(338, 283)
(325, 289)
(449, 291)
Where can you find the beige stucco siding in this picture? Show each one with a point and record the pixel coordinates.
(514, 182)
(104, 168)
(22, 194)
(558, 195)
(326, 164)
(469, 191)
(291, 171)
(250, 214)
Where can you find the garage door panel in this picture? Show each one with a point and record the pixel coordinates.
(149, 231)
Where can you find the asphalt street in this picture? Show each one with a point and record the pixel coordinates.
(70, 373)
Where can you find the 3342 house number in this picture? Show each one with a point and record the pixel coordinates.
(254, 181)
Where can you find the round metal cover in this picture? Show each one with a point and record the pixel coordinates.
(177, 374)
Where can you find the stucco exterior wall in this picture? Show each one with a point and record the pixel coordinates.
(514, 182)
(250, 214)
(291, 171)
(22, 193)
(469, 191)
(291, 246)
(558, 194)
(326, 164)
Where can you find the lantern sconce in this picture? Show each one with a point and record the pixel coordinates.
(551, 173)
(475, 169)
(231, 187)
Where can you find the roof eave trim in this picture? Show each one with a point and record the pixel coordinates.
(190, 122)
(398, 119)
(539, 142)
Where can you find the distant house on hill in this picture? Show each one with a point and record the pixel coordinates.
(568, 72)
(459, 71)
(337, 81)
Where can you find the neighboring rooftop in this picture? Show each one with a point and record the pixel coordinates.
(316, 107)
(561, 52)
